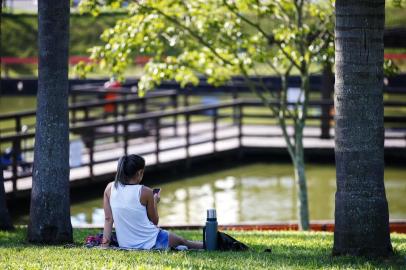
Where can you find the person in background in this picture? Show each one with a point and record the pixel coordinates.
(112, 86)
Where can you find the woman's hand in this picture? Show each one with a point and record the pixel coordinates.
(105, 242)
(157, 197)
(150, 200)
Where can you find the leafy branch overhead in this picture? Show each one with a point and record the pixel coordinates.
(215, 38)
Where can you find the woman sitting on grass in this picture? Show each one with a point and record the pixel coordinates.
(133, 209)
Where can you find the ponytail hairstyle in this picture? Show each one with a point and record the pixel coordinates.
(127, 167)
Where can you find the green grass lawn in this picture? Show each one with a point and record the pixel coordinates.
(290, 250)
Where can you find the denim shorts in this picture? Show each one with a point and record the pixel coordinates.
(162, 240)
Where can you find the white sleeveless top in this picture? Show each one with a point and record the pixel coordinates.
(133, 228)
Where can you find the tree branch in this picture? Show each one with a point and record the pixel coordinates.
(282, 116)
(304, 105)
(287, 54)
(273, 68)
(256, 92)
(262, 84)
(255, 25)
(191, 32)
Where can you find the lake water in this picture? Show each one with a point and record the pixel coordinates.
(12, 104)
(252, 193)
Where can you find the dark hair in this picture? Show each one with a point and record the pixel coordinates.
(127, 167)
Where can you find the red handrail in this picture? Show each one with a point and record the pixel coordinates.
(139, 60)
(395, 56)
(327, 226)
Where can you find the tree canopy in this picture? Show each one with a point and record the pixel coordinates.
(216, 38)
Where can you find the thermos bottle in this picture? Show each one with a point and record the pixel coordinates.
(210, 232)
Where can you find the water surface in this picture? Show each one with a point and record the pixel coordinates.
(13, 104)
(253, 193)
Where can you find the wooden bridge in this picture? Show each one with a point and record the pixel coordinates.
(166, 126)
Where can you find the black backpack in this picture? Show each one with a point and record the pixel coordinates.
(227, 243)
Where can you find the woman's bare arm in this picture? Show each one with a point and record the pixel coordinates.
(150, 201)
(108, 217)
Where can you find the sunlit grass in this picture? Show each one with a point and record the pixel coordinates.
(290, 250)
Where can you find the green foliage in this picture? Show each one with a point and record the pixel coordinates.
(216, 38)
(390, 68)
(97, 6)
(398, 3)
(19, 35)
(395, 16)
(19, 32)
(290, 250)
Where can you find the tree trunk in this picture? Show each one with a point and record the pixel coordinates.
(296, 150)
(297, 157)
(327, 88)
(300, 178)
(50, 209)
(300, 173)
(5, 220)
(361, 211)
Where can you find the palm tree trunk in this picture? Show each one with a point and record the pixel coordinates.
(327, 88)
(361, 211)
(50, 209)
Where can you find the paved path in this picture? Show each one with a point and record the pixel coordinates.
(261, 136)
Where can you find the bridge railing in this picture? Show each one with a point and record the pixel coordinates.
(179, 124)
(12, 123)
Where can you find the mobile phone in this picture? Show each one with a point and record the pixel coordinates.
(156, 190)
